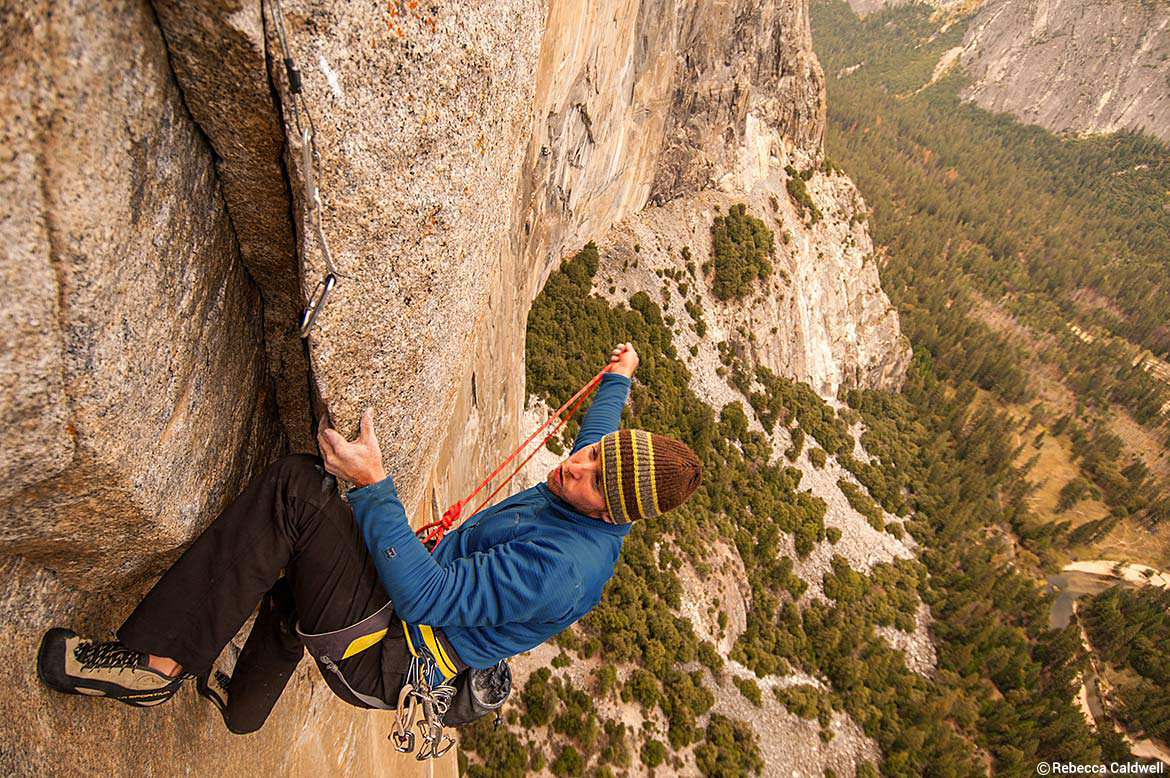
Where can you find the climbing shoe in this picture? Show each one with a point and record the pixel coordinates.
(214, 688)
(70, 664)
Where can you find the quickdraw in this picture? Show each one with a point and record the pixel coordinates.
(311, 164)
(416, 693)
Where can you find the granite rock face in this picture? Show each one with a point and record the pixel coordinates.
(146, 400)
(1069, 66)
(421, 114)
(1081, 66)
(738, 60)
(155, 242)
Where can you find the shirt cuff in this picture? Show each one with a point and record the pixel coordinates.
(375, 491)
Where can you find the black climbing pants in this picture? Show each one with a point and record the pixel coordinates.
(288, 520)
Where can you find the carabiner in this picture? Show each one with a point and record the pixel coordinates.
(404, 715)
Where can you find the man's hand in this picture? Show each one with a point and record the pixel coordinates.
(359, 461)
(624, 360)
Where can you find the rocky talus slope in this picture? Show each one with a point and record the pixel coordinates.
(155, 258)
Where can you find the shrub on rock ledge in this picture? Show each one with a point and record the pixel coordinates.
(741, 249)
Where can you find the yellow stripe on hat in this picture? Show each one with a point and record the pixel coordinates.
(602, 447)
(653, 481)
(617, 455)
(634, 439)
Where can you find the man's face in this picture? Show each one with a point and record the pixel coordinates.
(577, 481)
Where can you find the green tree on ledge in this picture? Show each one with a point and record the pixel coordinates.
(741, 248)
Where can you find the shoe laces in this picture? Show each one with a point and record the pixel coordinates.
(112, 654)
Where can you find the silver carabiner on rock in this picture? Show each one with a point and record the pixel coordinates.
(312, 198)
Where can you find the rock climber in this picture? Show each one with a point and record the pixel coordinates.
(514, 575)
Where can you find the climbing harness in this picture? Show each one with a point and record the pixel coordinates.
(421, 700)
(331, 647)
(311, 162)
(433, 533)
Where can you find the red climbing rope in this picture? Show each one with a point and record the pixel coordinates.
(436, 529)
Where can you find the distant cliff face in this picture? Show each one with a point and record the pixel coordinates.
(1073, 65)
(654, 101)
(156, 253)
(1079, 66)
(640, 117)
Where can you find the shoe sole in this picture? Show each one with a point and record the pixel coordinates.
(212, 696)
(209, 694)
(54, 641)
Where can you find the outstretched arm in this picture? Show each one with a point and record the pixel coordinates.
(605, 413)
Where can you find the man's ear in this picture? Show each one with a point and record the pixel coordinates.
(602, 515)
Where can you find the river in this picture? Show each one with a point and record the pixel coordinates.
(1072, 585)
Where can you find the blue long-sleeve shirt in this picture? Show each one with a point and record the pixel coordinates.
(513, 575)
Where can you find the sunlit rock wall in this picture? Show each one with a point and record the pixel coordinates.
(1081, 66)
(155, 258)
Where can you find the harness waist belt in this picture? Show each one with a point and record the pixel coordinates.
(348, 641)
(424, 641)
(329, 648)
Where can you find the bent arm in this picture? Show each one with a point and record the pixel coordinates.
(518, 581)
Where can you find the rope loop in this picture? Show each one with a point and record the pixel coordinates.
(434, 531)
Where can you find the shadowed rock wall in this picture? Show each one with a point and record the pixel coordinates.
(218, 52)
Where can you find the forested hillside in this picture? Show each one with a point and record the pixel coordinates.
(1033, 265)
(1130, 629)
(1003, 690)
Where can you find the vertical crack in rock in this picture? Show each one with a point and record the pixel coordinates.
(219, 54)
(312, 393)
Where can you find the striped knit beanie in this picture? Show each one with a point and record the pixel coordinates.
(645, 475)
